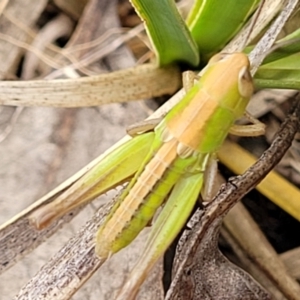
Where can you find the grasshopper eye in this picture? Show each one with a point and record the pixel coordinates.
(245, 83)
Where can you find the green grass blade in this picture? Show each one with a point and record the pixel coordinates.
(282, 73)
(168, 32)
(213, 23)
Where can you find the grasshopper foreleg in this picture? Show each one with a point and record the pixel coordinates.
(188, 80)
(143, 126)
(255, 129)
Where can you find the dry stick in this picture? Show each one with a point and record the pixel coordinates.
(259, 250)
(248, 265)
(234, 190)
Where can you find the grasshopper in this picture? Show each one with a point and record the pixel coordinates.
(172, 163)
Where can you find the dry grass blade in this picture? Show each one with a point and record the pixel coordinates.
(20, 238)
(268, 11)
(262, 48)
(64, 274)
(136, 83)
(292, 262)
(28, 15)
(239, 222)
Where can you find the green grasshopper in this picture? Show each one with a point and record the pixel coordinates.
(174, 161)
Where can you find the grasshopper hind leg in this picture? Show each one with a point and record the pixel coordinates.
(143, 126)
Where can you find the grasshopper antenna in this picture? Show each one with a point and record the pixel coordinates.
(282, 44)
(253, 23)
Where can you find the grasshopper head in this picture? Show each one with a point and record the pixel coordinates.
(228, 79)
